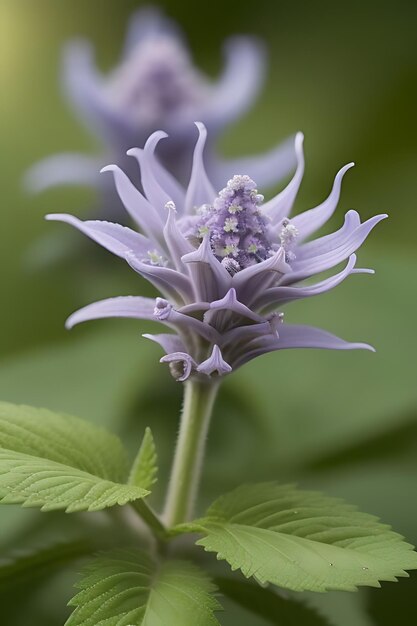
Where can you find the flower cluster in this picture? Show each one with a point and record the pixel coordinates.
(224, 263)
(156, 86)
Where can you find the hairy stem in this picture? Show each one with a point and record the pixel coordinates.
(186, 469)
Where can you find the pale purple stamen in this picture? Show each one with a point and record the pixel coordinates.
(236, 225)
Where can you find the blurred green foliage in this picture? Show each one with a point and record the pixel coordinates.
(345, 74)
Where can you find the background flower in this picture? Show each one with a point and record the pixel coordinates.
(156, 86)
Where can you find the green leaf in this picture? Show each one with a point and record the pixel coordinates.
(266, 603)
(144, 468)
(302, 540)
(54, 461)
(127, 588)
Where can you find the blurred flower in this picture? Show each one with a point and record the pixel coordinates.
(156, 86)
(225, 263)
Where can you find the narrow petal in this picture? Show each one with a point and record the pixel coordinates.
(329, 242)
(186, 361)
(154, 193)
(196, 307)
(322, 262)
(215, 363)
(139, 209)
(254, 279)
(122, 306)
(231, 303)
(240, 82)
(188, 323)
(63, 169)
(279, 207)
(200, 190)
(211, 280)
(297, 336)
(116, 238)
(169, 184)
(168, 342)
(282, 295)
(171, 283)
(266, 168)
(178, 245)
(241, 335)
(310, 221)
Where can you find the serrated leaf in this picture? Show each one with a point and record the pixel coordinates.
(144, 468)
(266, 603)
(302, 540)
(54, 461)
(127, 588)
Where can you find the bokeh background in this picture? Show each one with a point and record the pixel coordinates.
(346, 423)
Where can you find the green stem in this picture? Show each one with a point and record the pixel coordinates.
(186, 469)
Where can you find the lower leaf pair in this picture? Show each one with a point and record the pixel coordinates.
(297, 540)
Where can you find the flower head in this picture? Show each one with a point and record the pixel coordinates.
(156, 86)
(225, 262)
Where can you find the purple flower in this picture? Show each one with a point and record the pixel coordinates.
(156, 86)
(224, 263)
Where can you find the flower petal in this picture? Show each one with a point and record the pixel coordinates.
(123, 306)
(322, 262)
(215, 363)
(241, 335)
(171, 283)
(63, 169)
(211, 280)
(280, 206)
(188, 323)
(168, 341)
(282, 295)
(195, 307)
(169, 184)
(254, 279)
(231, 303)
(310, 221)
(200, 190)
(329, 242)
(139, 209)
(178, 245)
(116, 238)
(297, 336)
(154, 193)
(185, 359)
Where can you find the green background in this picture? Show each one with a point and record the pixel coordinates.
(344, 74)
